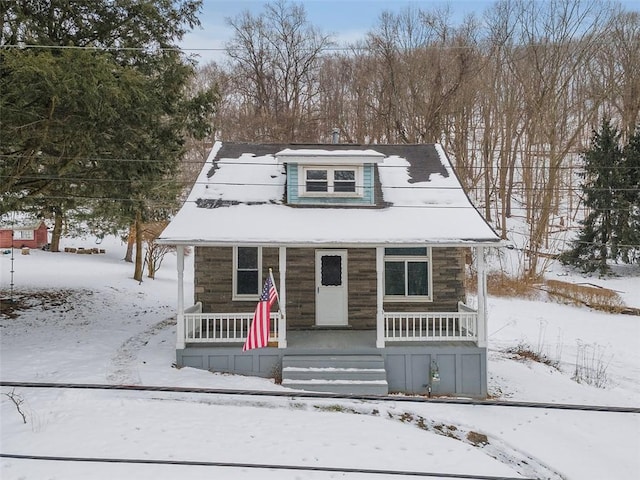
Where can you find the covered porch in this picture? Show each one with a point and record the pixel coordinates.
(196, 327)
(388, 350)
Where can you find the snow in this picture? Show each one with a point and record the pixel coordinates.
(103, 327)
(264, 175)
(255, 187)
(321, 156)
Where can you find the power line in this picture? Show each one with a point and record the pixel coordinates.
(336, 48)
(169, 205)
(259, 466)
(579, 169)
(517, 187)
(416, 399)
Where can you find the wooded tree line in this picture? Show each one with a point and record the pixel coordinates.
(513, 95)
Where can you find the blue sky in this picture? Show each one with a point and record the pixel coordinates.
(347, 20)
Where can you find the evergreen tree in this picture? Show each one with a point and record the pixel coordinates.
(610, 229)
(95, 118)
(630, 224)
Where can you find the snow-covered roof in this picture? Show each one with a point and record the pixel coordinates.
(19, 221)
(239, 198)
(322, 156)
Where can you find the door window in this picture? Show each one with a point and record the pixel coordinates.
(331, 270)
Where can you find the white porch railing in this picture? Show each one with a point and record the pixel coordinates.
(223, 327)
(430, 326)
(398, 326)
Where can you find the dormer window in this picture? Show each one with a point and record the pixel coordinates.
(342, 181)
(338, 175)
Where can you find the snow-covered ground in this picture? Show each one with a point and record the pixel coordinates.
(89, 322)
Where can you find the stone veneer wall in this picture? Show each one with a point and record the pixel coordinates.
(214, 277)
(213, 282)
(448, 283)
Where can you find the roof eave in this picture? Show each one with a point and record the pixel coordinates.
(488, 242)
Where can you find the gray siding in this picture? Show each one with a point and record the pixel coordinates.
(462, 368)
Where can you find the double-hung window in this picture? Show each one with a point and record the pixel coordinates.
(340, 181)
(23, 234)
(247, 268)
(407, 274)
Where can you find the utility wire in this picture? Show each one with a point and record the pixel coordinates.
(578, 168)
(417, 399)
(169, 204)
(518, 187)
(260, 466)
(337, 48)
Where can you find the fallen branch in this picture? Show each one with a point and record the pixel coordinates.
(17, 401)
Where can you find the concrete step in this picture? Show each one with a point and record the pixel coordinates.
(351, 388)
(334, 373)
(353, 374)
(340, 361)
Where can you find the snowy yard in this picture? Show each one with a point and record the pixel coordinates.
(89, 322)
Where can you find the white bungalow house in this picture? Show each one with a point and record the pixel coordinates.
(367, 246)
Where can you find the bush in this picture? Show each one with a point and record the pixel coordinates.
(589, 295)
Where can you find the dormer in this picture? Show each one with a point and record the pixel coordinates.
(330, 177)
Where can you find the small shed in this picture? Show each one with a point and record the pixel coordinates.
(25, 233)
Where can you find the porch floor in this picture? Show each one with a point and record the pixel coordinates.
(338, 339)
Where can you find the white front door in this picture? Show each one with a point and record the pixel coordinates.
(331, 288)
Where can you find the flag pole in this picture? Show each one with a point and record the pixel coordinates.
(274, 286)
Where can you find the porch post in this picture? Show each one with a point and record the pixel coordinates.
(282, 325)
(180, 344)
(482, 297)
(379, 297)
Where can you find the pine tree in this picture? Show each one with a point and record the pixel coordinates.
(630, 225)
(611, 227)
(95, 119)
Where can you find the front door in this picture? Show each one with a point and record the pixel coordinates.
(331, 288)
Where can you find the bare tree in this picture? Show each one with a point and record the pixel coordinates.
(275, 57)
(617, 71)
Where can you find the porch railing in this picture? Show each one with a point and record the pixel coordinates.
(398, 326)
(223, 327)
(430, 326)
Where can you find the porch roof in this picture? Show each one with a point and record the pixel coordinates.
(238, 198)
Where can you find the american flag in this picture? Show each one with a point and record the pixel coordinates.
(258, 336)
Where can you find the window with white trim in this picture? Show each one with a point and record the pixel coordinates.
(23, 234)
(247, 268)
(407, 274)
(331, 181)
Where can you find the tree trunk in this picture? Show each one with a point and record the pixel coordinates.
(138, 270)
(131, 239)
(56, 233)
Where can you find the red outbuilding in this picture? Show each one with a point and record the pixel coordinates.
(29, 234)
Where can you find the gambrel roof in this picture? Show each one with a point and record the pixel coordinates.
(240, 198)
